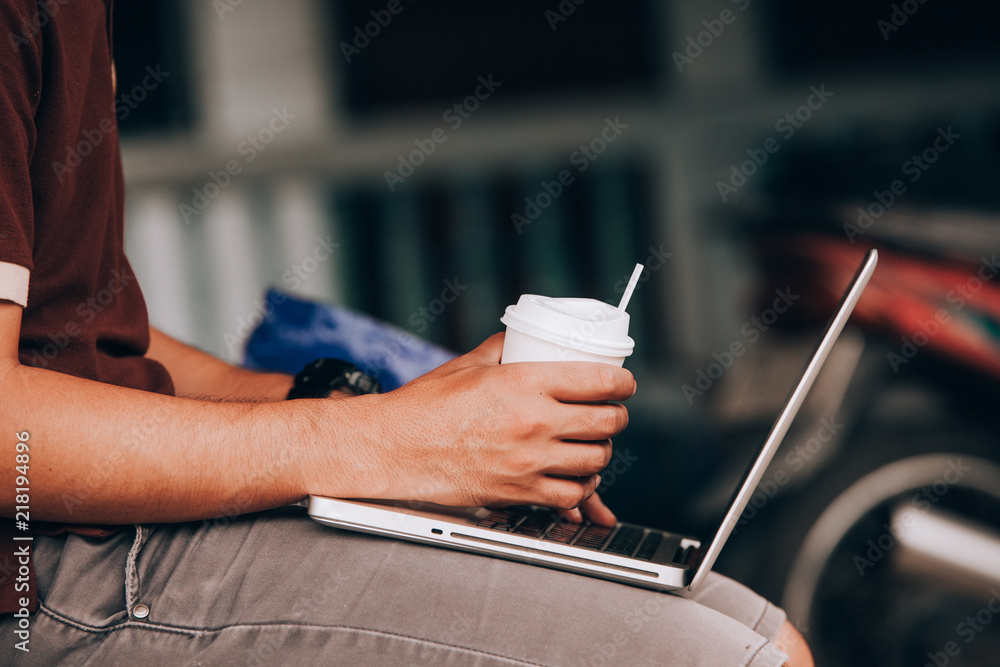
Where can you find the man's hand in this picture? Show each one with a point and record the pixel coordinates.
(474, 432)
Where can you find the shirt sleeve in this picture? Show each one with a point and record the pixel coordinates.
(20, 62)
(14, 283)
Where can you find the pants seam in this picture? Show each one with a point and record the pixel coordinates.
(131, 572)
(756, 653)
(760, 619)
(193, 632)
(93, 629)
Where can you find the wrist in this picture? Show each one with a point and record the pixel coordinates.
(343, 445)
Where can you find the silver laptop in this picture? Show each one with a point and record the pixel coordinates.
(625, 553)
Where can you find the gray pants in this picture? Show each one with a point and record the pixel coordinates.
(277, 588)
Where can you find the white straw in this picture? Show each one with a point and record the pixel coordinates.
(632, 282)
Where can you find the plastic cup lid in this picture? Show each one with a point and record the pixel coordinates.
(583, 324)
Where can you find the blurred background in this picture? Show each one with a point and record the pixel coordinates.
(426, 163)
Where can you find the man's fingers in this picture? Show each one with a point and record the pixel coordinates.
(595, 510)
(573, 516)
(490, 350)
(487, 353)
(592, 422)
(565, 493)
(586, 381)
(579, 459)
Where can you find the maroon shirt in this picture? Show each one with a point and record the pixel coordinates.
(61, 217)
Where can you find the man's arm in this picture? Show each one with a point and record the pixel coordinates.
(197, 374)
(471, 432)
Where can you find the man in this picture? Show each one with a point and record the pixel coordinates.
(128, 440)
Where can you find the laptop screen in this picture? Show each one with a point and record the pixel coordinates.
(755, 471)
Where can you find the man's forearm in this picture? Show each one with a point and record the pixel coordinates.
(106, 454)
(470, 432)
(197, 374)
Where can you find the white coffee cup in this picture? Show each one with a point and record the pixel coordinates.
(542, 328)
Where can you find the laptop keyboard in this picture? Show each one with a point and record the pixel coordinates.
(627, 541)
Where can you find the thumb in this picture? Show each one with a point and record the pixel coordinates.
(490, 350)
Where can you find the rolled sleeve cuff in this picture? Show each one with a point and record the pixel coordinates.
(14, 283)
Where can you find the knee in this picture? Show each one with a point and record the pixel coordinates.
(794, 646)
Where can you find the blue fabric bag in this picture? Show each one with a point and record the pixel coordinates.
(295, 332)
